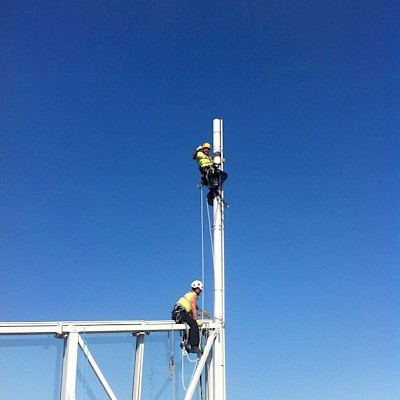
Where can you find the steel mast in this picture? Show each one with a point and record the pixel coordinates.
(219, 271)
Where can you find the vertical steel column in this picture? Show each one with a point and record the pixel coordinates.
(219, 272)
(200, 366)
(209, 373)
(138, 371)
(70, 362)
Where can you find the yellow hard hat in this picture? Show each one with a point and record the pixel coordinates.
(207, 145)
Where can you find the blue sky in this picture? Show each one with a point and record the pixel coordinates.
(102, 106)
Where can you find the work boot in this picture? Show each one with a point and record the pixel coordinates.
(196, 349)
(210, 196)
(186, 347)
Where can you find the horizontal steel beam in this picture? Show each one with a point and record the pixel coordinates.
(64, 328)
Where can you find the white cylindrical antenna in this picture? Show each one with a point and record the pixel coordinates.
(219, 270)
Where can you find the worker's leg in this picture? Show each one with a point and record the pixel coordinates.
(209, 177)
(211, 195)
(203, 179)
(222, 177)
(194, 337)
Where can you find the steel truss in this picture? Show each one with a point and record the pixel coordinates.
(71, 332)
(213, 359)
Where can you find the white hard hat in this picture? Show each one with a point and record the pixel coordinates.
(197, 284)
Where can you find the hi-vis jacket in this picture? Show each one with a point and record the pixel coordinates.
(185, 301)
(203, 160)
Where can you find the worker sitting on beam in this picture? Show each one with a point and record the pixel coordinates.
(185, 311)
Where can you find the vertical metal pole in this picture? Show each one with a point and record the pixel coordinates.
(70, 363)
(209, 381)
(138, 371)
(200, 367)
(219, 267)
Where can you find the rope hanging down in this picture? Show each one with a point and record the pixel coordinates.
(202, 242)
(184, 353)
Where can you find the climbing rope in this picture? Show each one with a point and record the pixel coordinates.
(202, 242)
(201, 387)
(184, 352)
(171, 345)
(210, 232)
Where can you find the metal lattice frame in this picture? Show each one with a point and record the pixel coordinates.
(213, 362)
(71, 332)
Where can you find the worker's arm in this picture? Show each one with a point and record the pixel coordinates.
(193, 304)
(196, 152)
(200, 154)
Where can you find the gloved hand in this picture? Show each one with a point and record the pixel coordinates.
(205, 314)
(199, 323)
(199, 148)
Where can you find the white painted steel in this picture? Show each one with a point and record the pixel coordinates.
(209, 372)
(214, 360)
(219, 275)
(70, 332)
(138, 370)
(70, 362)
(96, 369)
(200, 366)
(62, 328)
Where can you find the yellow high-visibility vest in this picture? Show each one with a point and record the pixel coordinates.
(203, 160)
(185, 301)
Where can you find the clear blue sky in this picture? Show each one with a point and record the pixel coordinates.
(102, 104)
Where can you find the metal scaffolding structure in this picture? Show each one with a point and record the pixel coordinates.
(71, 332)
(211, 364)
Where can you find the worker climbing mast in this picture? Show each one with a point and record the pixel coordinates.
(219, 269)
(212, 175)
(209, 371)
(213, 357)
